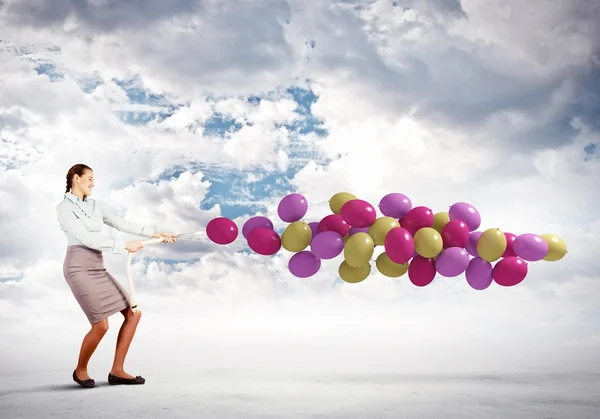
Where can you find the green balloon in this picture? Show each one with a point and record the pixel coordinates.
(358, 250)
(381, 227)
(296, 236)
(353, 275)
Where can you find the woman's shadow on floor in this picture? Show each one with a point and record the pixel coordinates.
(50, 388)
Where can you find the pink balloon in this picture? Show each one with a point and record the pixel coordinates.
(221, 230)
(421, 271)
(358, 213)
(530, 247)
(304, 264)
(264, 241)
(509, 271)
(510, 238)
(334, 222)
(455, 234)
(471, 246)
(417, 218)
(354, 230)
(452, 261)
(399, 245)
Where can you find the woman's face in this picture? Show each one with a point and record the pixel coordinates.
(85, 182)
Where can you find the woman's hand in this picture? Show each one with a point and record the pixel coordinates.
(134, 245)
(169, 237)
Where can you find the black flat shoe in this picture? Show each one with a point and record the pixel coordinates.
(113, 379)
(84, 383)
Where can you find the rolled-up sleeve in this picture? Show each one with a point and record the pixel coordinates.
(71, 223)
(111, 219)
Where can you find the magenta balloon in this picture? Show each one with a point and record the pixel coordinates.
(292, 208)
(256, 222)
(334, 222)
(530, 247)
(327, 245)
(421, 271)
(452, 261)
(467, 213)
(510, 239)
(221, 230)
(304, 264)
(264, 241)
(395, 205)
(509, 271)
(417, 218)
(455, 234)
(399, 245)
(354, 230)
(471, 246)
(358, 213)
(479, 274)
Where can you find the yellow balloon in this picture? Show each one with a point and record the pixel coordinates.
(390, 268)
(491, 244)
(296, 236)
(381, 227)
(440, 220)
(428, 242)
(353, 275)
(338, 200)
(358, 250)
(557, 247)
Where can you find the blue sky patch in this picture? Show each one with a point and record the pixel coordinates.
(50, 71)
(220, 125)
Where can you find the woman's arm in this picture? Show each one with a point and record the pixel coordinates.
(120, 224)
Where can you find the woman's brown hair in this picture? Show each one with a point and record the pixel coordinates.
(78, 169)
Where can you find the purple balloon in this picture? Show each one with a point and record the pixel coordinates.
(327, 245)
(292, 208)
(304, 264)
(395, 205)
(530, 247)
(256, 222)
(314, 228)
(452, 261)
(479, 274)
(467, 213)
(354, 230)
(471, 246)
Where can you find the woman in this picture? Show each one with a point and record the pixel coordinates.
(97, 291)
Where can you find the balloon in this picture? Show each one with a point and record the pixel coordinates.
(358, 250)
(452, 261)
(428, 242)
(399, 245)
(395, 205)
(467, 213)
(353, 275)
(314, 229)
(354, 230)
(304, 264)
(255, 222)
(491, 245)
(338, 200)
(264, 241)
(455, 234)
(390, 268)
(421, 271)
(327, 245)
(440, 219)
(479, 274)
(510, 238)
(221, 230)
(509, 271)
(358, 213)
(417, 218)
(557, 249)
(334, 222)
(296, 236)
(530, 247)
(471, 246)
(292, 208)
(380, 228)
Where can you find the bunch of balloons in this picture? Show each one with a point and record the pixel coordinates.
(415, 240)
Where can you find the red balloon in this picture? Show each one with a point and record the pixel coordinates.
(421, 271)
(221, 230)
(417, 218)
(400, 221)
(264, 241)
(510, 238)
(358, 213)
(334, 222)
(509, 271)
(455, 234)
(399, 245)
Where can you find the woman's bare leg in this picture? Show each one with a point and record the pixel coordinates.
(124, 339)
(88, 346)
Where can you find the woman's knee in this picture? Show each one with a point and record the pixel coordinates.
(130, 315)
(100, 327)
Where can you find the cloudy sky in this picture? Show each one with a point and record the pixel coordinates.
(198, 109)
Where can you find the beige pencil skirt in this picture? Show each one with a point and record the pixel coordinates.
(98, 293)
